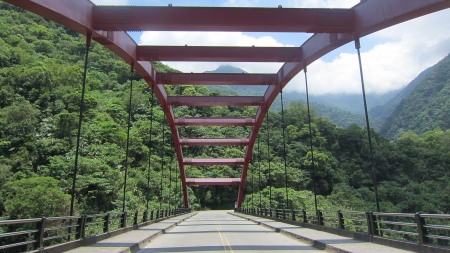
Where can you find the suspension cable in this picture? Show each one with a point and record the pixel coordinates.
(253, 183)
(162, 164)
(284, 152)
(374, 176)
(170, 173)
(128, 141)
(150, 149)
(268, 159)
(80, 120)
(259, 169)
(311, 142)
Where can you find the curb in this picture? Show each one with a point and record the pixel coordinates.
(311, 242)
(135, 247)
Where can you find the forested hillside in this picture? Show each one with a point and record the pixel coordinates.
(382, 112)
(426, 108)
(41, 66)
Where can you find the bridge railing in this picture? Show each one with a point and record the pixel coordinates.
(416, 228)
(35, 234)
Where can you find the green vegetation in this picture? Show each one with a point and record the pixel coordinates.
(426, 108)
(41, 66)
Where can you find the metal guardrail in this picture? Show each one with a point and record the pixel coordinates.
(423, 229)
(34, 234)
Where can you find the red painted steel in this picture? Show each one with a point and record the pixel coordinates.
(213, 161)
(214, 121)
(342, 26)
(216, 101)
(217, 78)
(149, 18)
(214, 142)
(213, 181)
(220, 54)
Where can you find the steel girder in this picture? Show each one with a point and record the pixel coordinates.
(146, 18)
(220, 54)
(333, 29)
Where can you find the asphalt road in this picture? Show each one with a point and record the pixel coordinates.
(217, 231)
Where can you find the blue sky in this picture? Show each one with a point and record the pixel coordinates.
(391, 57)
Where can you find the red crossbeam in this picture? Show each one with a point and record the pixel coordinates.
(214, 121)
(217, 79)
(214, 142)
(150, 18)
(216, 101)
(213, 161)
(213, 181)
(220, 54)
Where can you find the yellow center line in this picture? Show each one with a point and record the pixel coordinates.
(229, 245)
(223, 244)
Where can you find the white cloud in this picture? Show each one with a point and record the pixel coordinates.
(409, 48)
(207, 39)
(322, 3)
(110, 2)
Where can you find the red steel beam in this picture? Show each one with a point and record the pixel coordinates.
(217, 78)
(214, 142)
(213, 161)
(150, 18)
(214, 121)
(213, 181)
(215, 101)
(219, 54)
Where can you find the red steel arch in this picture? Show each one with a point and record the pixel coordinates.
(332, 27)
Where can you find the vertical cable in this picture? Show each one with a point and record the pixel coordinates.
(80, 120)
(374, 176)
(311, 142)
(128, 141)
(162, 164)
(253, 183)
(259, 169)
(170, 173)
(150, 149)
(268, 159)
(284, 152)
(176, 182)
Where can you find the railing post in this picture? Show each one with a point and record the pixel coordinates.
(158, 212)
(136, 214)
(39, 236)
(305, 219)
(372, 227)
(145, 217)
(106, 223)
(284, 214)
(152, 215)
(265, 212)
(319, 218)
(421, 229)
(123, 224)
(341, 219)
(292, 215)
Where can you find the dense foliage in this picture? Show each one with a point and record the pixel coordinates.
(41, 66)
(426, 108)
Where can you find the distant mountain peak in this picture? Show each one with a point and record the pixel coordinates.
(227, 69)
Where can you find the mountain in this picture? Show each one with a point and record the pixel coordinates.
(426, 108)
(382, 112)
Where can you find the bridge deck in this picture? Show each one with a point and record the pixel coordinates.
(219, 231)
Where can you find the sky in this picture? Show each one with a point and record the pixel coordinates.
(391, 57)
